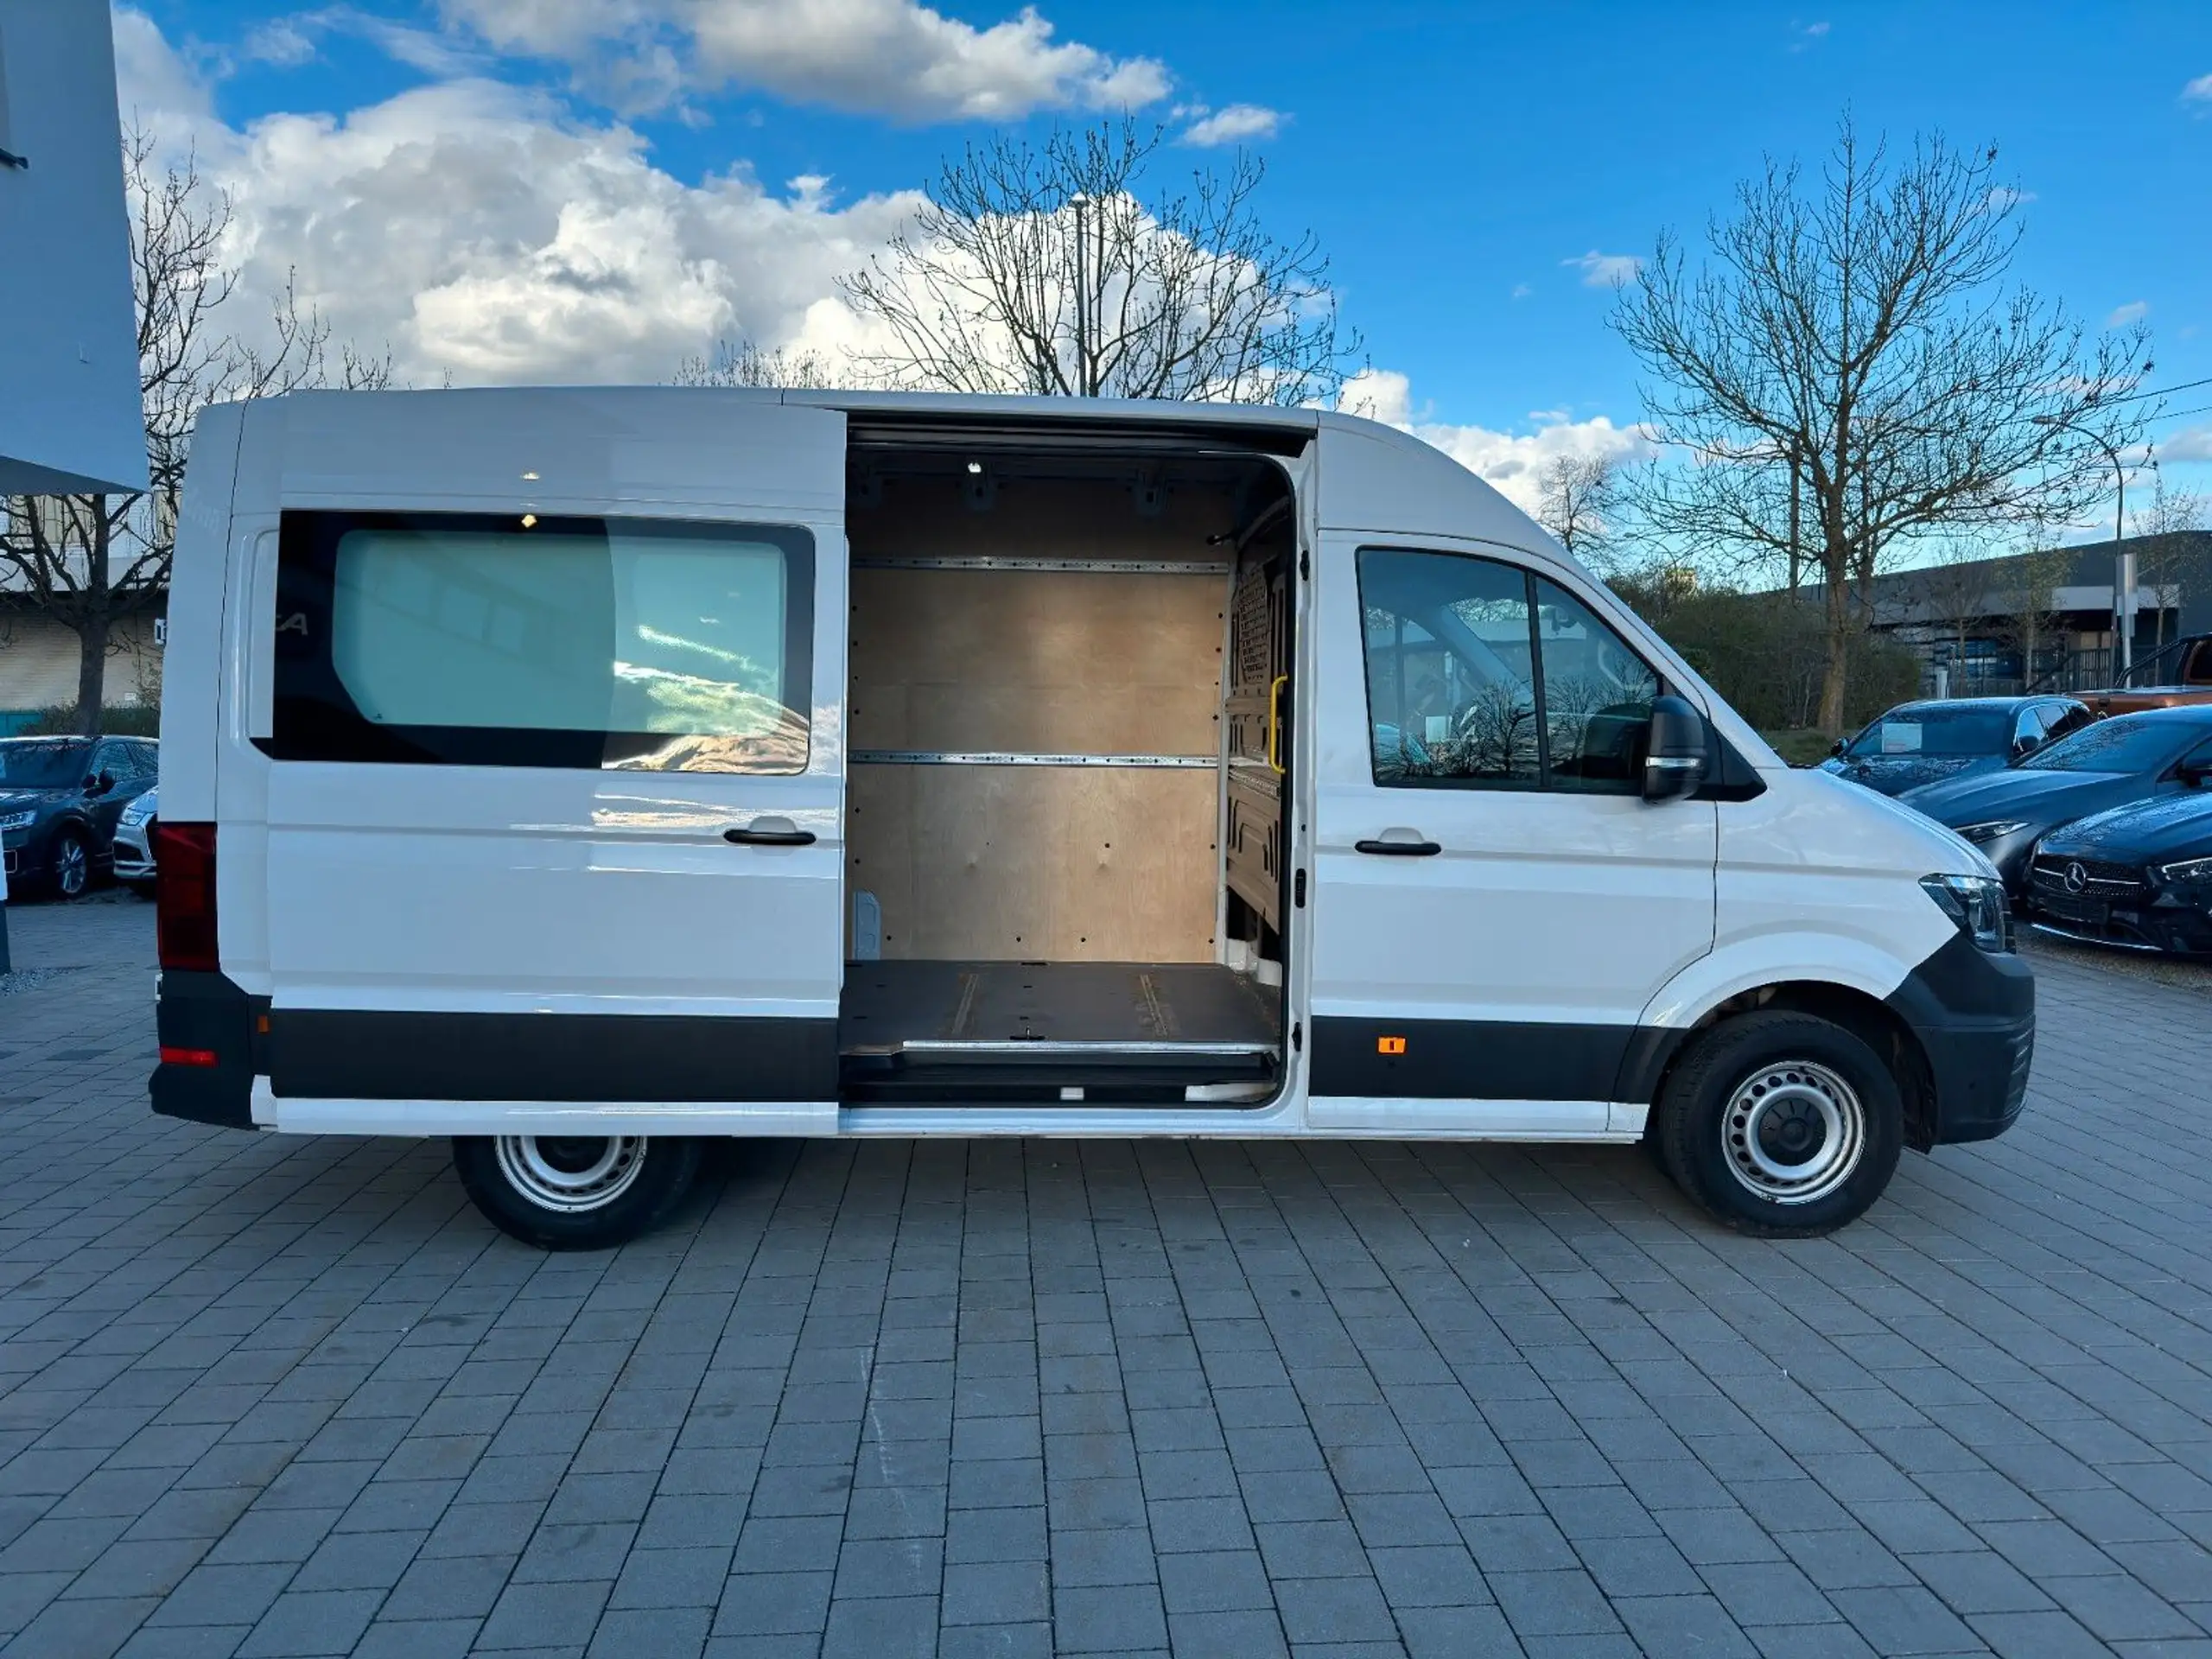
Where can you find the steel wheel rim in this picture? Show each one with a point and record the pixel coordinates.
(572, 1173)
(70, 866)
(1794, 1132)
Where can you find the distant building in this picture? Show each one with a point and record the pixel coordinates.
(2042, 620)
(39, 656)
(69, 411)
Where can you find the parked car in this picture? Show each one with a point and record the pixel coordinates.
(2139, 876)
(2112, 763)
(2182, 673)
(1926, 742)
(134, 843)
(59, 801)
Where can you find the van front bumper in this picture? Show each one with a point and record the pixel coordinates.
(1975, 1015)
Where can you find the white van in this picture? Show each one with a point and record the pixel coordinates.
(581, 773)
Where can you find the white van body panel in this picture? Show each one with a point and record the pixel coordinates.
(192, 661)
(604, 891)
(614, 892)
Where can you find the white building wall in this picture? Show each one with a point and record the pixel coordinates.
(38, 664)
(69, 409)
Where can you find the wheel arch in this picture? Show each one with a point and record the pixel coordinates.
(1857, 1010)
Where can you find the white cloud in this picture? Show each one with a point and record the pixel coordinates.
(2133, 311)
(1809, 34)
(1512, 463)
(2003, 196)
(480, 232)
(897, 58)
(1238, 123)
(1521, 290)
(1606, 270)
(286, 42)
(2190, 443)
(2198, 91)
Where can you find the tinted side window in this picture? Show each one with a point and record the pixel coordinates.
(2065, 721)
(480, 640)
(1481, 675)
(148, 757)
(1598, 697)
(1450, 682)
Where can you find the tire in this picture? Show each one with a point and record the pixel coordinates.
(575, 1192)
(1783, 1125)
(72, 875)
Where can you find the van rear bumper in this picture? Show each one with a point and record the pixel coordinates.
(206, 1013)
(1974, 1013)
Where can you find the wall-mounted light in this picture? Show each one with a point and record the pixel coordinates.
(530, 478)
(528, 520)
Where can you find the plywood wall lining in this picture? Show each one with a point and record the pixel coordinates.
(1065, 662)
(1036, 863)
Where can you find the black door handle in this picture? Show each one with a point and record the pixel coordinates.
(1399, 849)
(785, 837)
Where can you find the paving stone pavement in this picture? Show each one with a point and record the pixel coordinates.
(280, 1397)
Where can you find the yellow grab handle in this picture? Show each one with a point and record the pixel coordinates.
(1275, 723)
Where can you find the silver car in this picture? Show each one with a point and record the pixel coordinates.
(134, 844)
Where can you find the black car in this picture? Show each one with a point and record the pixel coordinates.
(2139, 876)
(59, 798)
(1917, 743)
(2112, 763)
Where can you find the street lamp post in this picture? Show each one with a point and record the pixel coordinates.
(2123, 560)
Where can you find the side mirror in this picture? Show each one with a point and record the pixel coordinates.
(1675, 755)
(2025, 746)
(98, 783)
(1836, 747)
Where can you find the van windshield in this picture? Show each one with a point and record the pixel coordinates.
(1935, 731)
(27, 765)
(2121, 746)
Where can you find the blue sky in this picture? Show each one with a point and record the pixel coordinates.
(1455, 161)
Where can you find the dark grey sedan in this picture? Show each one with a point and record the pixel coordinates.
(59, 800)
(2128, 757)
(1928, 742)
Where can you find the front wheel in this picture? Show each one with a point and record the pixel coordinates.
(73, 865)
(1783, 1124)
(575, 1192)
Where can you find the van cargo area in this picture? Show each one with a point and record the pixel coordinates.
(1046, 751)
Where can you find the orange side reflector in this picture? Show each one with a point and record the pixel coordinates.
(1389, 1045)
(187, 1056)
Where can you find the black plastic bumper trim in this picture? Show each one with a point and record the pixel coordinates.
(1476, 1059)
(207, 1011)
(1975, 1015)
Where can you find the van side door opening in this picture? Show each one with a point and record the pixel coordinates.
(1062, 887)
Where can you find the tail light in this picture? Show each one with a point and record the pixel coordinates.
(184, 895)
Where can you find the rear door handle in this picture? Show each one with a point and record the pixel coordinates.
(770, 832)
(1399, 843)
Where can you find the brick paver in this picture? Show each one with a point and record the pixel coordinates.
(263, 1396)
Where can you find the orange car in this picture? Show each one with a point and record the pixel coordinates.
(2180, 673)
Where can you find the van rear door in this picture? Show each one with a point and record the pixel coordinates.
(552, 714)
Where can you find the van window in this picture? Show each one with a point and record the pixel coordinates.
(480, 640)
(1596, 696)
(1450, 689)
(1482, 675)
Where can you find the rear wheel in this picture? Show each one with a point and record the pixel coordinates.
(575, 1192)
(1785, 1124)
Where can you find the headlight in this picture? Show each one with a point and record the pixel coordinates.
(2187, 873)
(136, 813)
(18, 821)
(1977, 904)
(1995, 829)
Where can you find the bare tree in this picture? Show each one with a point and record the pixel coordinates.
(93, 561)
(1854, 337)
(742, 363)
(2171, 554)
(1957, 589)
(1044, 270)
(1575, 501)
